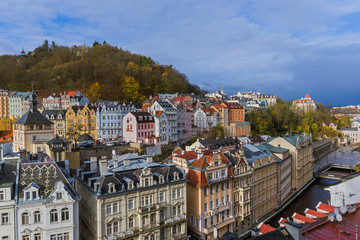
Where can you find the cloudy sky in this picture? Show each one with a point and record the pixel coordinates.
(284, 47)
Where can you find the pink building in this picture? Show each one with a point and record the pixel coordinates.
(188, 125)
(139, 127)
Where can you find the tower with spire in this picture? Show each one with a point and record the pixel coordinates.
(222, 89)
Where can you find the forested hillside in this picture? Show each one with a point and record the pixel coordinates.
(102, 72)
(281, 118)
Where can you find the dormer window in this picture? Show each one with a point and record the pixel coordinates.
(131, 185)
(161, 179)
(216, 163)
(176, 176)
(58, 195)
(111, 187)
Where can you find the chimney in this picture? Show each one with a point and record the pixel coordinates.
(116, 163)
(294, 229)
(103, 166)
(255, 232)
(182, 152)
(149, 159)
(126, 162)
(96, 186)
(93, 163)
(199, 155)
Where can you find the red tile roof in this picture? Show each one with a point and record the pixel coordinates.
(72, 93)
(201, 163)
(264, 228)
(324, 208)
(197, 178)
(344, 230)
(209, 111)
(302, 218)
(314, 214)
(282, 222)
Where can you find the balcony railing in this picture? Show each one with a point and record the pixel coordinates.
(214, 180)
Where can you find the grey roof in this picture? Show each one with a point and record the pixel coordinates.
(300, 138)
(221, 142)
(55, 113)
(41, 170)
(7, 169)
(145, 117)
(33, 117)
(253, 153)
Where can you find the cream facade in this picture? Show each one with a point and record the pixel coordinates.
(301, 149)
(131, 197)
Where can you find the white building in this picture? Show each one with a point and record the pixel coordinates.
(352, 133)
(304, 104)
(171, 113)
(46, 203)
(51, 102)
(206, 118)
(109, 118)
(162, 127)
(7, 203)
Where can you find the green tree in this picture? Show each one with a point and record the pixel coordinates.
(131, 90)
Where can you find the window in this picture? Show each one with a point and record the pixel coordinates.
(217, 202)
(131, 203)
(205, 191)
(37, 236)
(108, 209)
(196, 222)
(179, 193)
(217, 188)
(222, 186)
(115, 227)
(205, 207)
(212, 205)
(162, 197)
(228, 184)
(2, 195)
(131, 222)
(25, 218)
(174, 194)
(174, 230)
(108, 229)
(58, 195)
(179, 209)
(5, 238)
(162, 214)
(34, 195)
(179, 228)
(53, 215)
(115, 207)
(27, 195)
(37, 217)
(4, 218)
(26, 237)
(174, 211)
(206, 223)
(64, 214)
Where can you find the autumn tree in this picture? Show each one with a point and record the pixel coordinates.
(131, 88)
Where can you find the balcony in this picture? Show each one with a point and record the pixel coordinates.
(219, 179)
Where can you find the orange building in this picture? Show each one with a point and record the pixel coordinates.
(80, 120)
(186, 101)
(209, 189)
(232, 118)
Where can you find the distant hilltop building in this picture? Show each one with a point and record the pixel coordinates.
(256, 96)
(304, 104)
(218, 95)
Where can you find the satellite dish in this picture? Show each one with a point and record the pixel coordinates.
(332, 218)
(113, 152)
(338, 217)
(336, 211)
(215, 233)
(343, 209)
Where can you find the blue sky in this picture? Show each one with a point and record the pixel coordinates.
(288, 47)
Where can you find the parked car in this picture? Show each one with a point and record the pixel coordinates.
(110, 144)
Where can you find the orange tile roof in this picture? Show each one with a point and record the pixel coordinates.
(201, 163)
(314, 213)
(324, 207)
(302, 218)
(158, 113)
(209, 111)
(197, 178)
(6, 136)
(264, 228)
(188, 156)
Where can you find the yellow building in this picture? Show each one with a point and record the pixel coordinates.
(7, 123)
(58, 118)
(4, 103)
(80, 120)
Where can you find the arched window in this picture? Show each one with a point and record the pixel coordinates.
(25, 218)
(37, 217)
(53, 215)
(64, 214)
